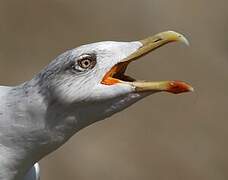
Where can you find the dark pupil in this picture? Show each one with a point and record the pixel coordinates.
(86, 62)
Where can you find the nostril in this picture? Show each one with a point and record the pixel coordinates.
(157, 40)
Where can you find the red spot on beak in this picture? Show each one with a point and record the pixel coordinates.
(177, 87)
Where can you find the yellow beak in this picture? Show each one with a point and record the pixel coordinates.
(116, 74)
(149, 44)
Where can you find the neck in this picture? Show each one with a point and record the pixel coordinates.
(30, 128)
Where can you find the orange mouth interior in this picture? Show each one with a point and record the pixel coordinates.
(116, 74)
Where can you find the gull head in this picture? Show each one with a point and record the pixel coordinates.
(92, 78)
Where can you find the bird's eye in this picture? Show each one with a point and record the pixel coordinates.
(84, 62)
(87, 61)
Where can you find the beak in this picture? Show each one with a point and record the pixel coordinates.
(116, 74)
(149, 44)
(153, 42)
(174, 87)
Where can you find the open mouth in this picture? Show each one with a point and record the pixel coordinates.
(117, 73)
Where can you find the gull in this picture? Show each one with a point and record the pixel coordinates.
(80, 87)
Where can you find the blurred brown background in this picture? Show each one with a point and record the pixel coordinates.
(164, 137)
